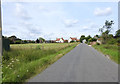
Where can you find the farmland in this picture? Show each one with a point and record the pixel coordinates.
(26, 60)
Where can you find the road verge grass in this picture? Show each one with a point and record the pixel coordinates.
(110, 50)
(20, 65)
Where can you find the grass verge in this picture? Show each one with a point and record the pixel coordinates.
(110, 50)
(21, 64)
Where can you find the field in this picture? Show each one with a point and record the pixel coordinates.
(110, 50)
(26, 60)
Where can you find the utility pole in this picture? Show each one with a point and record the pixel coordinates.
(0, 45)
(0, 31)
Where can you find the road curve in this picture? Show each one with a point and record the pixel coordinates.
(82, 64)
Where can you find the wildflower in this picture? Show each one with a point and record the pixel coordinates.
(12, 61)
(18, 76)
(27, 70)
(8, 65)
(17, 60)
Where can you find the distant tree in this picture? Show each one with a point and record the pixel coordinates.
(37, 41)
(117, 33)
(97, 36)
(24, 41)
(88, 37)
(105, 30)
(92, 39)
(18, 42)
(110, 36)
(82, 38)
(41, 40)
(12, 39)
(107, 27)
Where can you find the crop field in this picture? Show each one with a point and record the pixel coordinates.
(27, 60)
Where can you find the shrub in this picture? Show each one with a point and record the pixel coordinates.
(112, 41)
(88, 43)
(72, 41)
(18, 42)
(97, 43)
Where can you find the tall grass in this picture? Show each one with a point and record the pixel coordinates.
(24, 61)
(107, 49)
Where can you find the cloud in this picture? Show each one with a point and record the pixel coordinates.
(70, 22)
(103, 12)
(21, 12)
(91, 27)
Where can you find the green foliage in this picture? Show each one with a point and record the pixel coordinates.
(41, 39)
(72, 41)
(112, 41)
(97, 43)
(18, 42)
(105, 30)
(88, 37)
(117, 33)
(92, 39)
(110, 36)
(82, 38)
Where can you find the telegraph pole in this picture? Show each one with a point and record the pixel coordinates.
(0, 45)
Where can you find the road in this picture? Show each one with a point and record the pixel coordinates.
(82, 64)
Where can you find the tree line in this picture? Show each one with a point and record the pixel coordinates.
(105, 36)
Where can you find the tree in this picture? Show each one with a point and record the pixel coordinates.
(110, 36)
(41, 40)
(105, 30)
(92, 39)
(117, 33)
(37, 41)
(88, 37)
(82, 38)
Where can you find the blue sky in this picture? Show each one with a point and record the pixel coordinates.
(51, 20)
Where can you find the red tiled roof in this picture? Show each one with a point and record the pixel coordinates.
(73, 38)
(57, 39)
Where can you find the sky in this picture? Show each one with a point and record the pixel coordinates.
(51, 20)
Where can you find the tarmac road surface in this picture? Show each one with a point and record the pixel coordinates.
(82, 64)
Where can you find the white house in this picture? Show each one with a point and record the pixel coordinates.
(59, 40)
(99, 40)
(83, 41)
(72, 39)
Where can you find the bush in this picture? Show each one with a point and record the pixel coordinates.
(97, 43)
(112, 41)
(88, 43)
(72, 41)
(18, 42)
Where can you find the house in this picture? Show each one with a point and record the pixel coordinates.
(59, 40)
(99, 40)
(72, 39)
(93, 43)
(65, 41)
(83, 41)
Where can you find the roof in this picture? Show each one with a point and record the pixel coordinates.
(99, 39)
(73, 38)
(57, 39)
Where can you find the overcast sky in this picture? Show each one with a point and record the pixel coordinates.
(51, 20)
